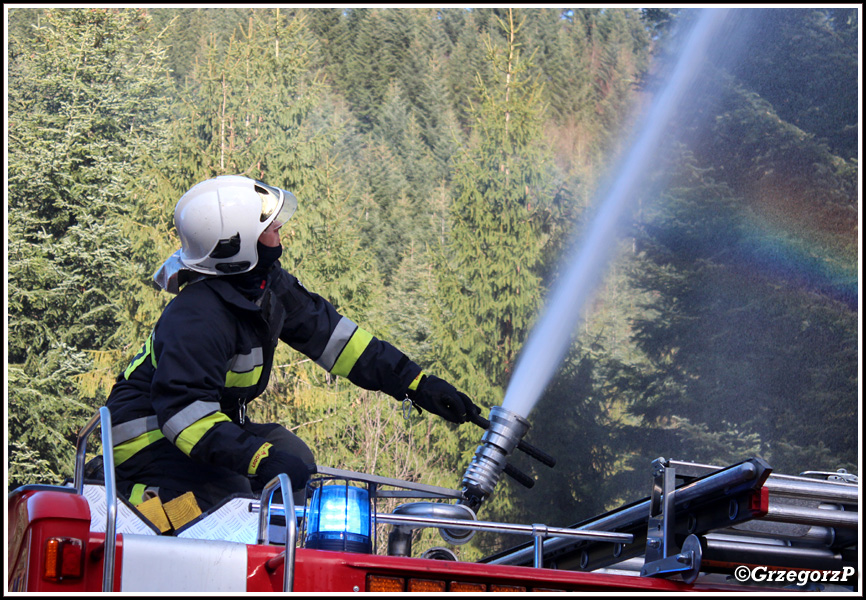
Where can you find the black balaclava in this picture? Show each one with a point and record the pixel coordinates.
(252, 283)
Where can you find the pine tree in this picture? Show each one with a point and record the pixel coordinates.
(490, 286)
(488, 281)
(86, 97)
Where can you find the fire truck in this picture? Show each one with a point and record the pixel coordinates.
(702, 528)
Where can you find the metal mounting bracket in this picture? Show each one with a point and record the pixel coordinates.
(663, 556)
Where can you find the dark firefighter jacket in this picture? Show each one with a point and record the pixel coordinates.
(211, 352)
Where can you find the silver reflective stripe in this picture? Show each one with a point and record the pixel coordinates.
(242, 363)
(341, 336)
(187, 417)
(132, 429)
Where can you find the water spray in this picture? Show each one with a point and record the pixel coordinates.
(551, 336)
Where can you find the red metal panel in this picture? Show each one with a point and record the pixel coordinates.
(35, 516)
(259, 577)
(94, 562)
(322, 570)
(336, 572)
(315, 571)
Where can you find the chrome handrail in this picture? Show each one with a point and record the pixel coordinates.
(538, 531)
(283, 483)
(103, 419)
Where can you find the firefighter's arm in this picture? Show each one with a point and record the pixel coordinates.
(337, 344)
(314, 327)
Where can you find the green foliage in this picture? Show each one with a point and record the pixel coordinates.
(190, 30)
(489, 273)
(488, 276)
(85, 101)
(374, 58)
(467, 63)
(45, 414)
(76, 134)
(815, 92)
(576, 422)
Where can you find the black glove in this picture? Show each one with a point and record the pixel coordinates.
(441, 398)
(277, 462)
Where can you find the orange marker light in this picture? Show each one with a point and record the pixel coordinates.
(463, 586)
(64, 558)
(426, 585)
(380, 583)
(506, 588)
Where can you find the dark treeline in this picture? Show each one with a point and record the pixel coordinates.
(442, 159)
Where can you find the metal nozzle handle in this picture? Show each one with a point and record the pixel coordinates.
(532, 451)
(519, 476)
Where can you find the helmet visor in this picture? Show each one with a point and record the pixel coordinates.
(275, 202)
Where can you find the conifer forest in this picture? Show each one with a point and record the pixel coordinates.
(446, 163)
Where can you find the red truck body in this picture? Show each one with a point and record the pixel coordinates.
(39, 515)
(787, 533)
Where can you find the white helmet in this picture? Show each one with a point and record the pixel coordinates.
(220, 220)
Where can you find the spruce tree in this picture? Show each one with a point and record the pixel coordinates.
(804, 62)
(466, 63)
(488, 272)
(737, 347)
(490, 283)
(86, 98)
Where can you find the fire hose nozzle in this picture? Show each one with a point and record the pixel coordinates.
(525, 447)
(503, 433)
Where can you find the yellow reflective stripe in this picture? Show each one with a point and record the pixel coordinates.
(146, 349)
(190, 436)
(243, 379)
(352, 352)
(136, 496)
(125, 450)
(414, 385)
(260, 455)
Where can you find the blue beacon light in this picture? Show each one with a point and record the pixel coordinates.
(339, 519)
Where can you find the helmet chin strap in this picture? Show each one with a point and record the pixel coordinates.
(252, 283)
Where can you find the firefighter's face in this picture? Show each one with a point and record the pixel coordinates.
(271, 235)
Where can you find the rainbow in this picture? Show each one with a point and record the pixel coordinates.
(810, 245)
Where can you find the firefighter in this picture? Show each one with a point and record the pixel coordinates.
(179, 421)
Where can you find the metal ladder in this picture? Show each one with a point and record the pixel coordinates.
(742, 512)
